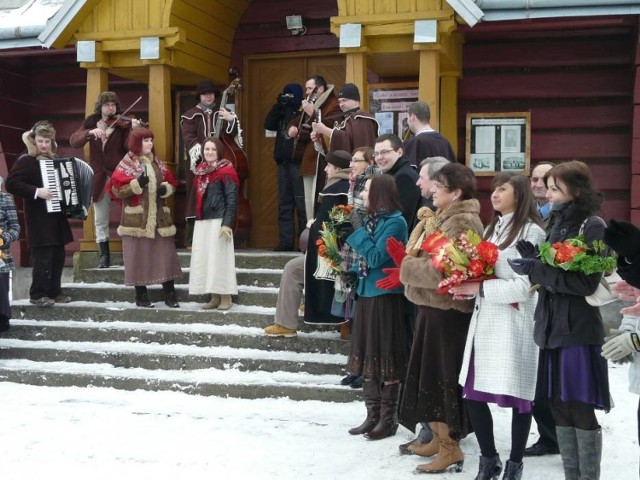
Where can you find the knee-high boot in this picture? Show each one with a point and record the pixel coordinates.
(142, 297)
(568, 444)
(105, 255)
(371, 391)
(169, 290)
(388, 424)
(589, 453)
(449, 455)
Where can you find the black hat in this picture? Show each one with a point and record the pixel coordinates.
(339, 158)
(206, 86)
(349, 91)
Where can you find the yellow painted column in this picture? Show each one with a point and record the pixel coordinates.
(429, 84)
(356, 72)
(160, 116)
(97, 82)
(449, 109)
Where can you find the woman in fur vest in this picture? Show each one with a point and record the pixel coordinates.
(432, 393)
(142, 182)
(500, 358)
(213, 261)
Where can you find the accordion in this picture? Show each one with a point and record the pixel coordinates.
(69, 181)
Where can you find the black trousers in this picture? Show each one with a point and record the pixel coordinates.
(48, 263)
(290, 202)
(546, 425)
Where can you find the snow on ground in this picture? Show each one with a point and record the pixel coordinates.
(80, 433)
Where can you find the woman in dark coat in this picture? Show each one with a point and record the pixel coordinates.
(572, 374)
(318, 294)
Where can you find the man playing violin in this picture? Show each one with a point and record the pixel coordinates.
(107, 134)
(319, 96)
(196, 124)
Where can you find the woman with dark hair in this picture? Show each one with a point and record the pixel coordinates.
(213, 265)
(142, 182)
(500, 356)
(379, 345)
(572, 375)
(431, 392)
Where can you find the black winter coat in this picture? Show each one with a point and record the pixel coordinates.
(221, 201)
(406, 178)
(278, 120)
(563, 317)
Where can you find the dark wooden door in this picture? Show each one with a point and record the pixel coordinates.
(264, 79)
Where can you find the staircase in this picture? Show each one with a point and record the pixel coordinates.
(102, 339)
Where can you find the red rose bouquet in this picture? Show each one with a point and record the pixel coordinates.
(465, 258)
(574, 255)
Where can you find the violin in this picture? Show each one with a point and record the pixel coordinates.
(124, 121)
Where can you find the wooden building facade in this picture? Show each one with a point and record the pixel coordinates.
(578, 76)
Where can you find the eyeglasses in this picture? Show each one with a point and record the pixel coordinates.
(356, 160)
(440, 186)
(382, 152)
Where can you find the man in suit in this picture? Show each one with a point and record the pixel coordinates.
(426, 142)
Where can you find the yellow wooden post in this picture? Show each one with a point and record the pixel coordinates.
(429, 83)
(97, 81)
(356, 72)
(160, 117)
(449, 109)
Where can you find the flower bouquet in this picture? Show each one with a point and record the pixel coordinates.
(330, 243)
(465, 258)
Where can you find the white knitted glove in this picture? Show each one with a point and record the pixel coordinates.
(194, 155)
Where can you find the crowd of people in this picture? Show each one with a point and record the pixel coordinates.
(523, 338)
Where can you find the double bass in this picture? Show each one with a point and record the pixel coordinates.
(236, 155)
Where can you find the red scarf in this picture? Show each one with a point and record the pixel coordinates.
(207, 173)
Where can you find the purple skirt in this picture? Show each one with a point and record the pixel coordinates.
(574, 374)
(505, 401)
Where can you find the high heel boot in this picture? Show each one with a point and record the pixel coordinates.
(513, 471)
(371, 391)
(169, 290)
(142, 297)
(490, 468)
(388, 424)
(449, 456)
(431, 448)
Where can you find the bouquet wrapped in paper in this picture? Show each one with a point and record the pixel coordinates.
(465, 258)
(330, 243)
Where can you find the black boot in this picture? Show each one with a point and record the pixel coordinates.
(490, 468)
(105, 256)
(169, 290)
(388, 424)
(371, 391)
(513, 471)
(142, 297)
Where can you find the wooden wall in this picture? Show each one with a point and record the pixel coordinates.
(576, 77)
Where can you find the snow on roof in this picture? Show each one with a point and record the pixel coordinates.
(21, 21)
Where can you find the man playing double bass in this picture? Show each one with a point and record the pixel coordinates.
(319, 96)
(196, 124)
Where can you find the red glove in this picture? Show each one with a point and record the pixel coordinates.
(391, 281)
(396, 250)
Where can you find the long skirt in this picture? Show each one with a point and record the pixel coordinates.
(213, 260)
(149, 261)
(431, 391)
(378, 338)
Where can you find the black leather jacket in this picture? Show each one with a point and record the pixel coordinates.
(221, 201)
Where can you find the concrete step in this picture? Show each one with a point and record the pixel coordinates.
(259, 277)
(246, 259)
(209, 381)
(172, 357)
(113, 292)
(202, 335)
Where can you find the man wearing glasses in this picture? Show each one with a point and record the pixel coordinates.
(387, 153)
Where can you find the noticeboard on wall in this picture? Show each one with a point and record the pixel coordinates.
(389, 102)
(498, 142)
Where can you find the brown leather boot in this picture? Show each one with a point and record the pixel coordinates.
(213, 303)
(428, 449)
(388, 424)
(371, 391)
(449, 455)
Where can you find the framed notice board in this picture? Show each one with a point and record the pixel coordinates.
(498, 142)
(388, 102)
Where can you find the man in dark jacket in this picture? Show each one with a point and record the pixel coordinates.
(426, 142)
(388, 156)
(290, 190)
(47, 233)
